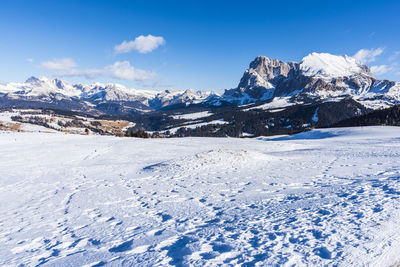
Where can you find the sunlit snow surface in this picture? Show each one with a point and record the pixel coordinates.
(319, 198)
(325, 65)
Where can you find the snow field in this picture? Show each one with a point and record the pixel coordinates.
(324, 197)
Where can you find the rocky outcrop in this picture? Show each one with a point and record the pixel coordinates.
(262, 77)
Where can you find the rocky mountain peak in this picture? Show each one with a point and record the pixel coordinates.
(259, 81)
(60, 84)
(269, 69)
(317, 76)
(32, 79)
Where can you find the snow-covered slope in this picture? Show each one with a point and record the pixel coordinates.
(323, 198)
(330, 66)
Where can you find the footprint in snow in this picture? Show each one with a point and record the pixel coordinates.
(323, 252)
(164, 217)
(155, 232)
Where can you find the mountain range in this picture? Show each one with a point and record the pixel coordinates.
(324, 86)
(97, 98)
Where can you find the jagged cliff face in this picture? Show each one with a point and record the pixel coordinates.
(317, 76)
(270, 69)
(262, 77)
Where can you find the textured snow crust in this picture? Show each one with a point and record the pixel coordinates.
(325, 197)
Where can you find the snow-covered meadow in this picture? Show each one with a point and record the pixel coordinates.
(324, 197)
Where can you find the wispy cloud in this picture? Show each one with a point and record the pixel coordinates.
(30, 59)
(121, 70)
(380, 69)
(156, 84)
(368, 55)
(394, 56)
(59, 64)
(143, 44)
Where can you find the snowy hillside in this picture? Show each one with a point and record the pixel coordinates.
(325, 197)
(26, 120)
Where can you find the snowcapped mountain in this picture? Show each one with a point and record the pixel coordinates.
(319, 76)
(268, 83)
(176, 97)
(97, 95)
(42, 87)
(327, 66)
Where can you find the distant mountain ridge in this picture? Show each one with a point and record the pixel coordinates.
(272, 97)
(318, 77)
(96, 96)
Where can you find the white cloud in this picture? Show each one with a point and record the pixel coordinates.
(59, 64)
(29, 59)
(121, 70)
(394, 56)
(368, 55)
(380, 69)
(143, 44)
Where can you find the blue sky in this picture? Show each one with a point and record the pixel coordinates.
(203, 45)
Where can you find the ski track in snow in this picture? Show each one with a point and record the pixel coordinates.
(327, 197)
